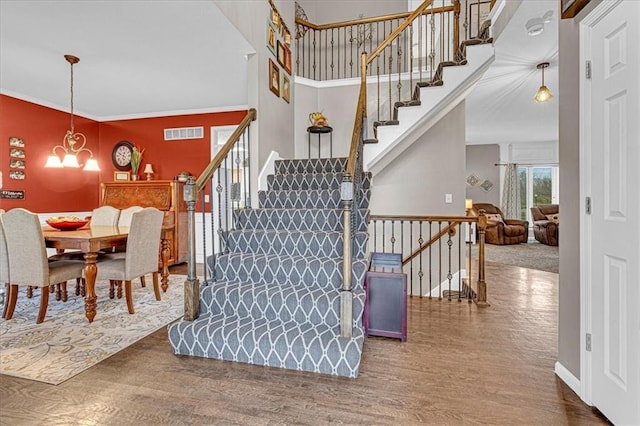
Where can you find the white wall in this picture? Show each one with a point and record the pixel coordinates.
(275, 128)
(481, 160)
(328, 11)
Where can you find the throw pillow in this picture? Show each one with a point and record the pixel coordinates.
(495, 217)
(555, 218)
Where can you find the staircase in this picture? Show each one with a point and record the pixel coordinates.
(274, 299)
(430, 101)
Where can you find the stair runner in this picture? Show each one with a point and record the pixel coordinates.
(437, 80)
(275, 300)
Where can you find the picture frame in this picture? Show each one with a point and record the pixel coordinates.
(16, 142)
(287, 59)
(275, 18)
(120, 176)
(286, 88)
(287, 38)
(16, 153)
(281, 54)
(271, 38)
(274, 78)
(16, 174)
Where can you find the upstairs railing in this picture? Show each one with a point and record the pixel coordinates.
(409, 32)
(417, 44)
(227, 183)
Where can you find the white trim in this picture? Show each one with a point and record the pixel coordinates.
(79, 113)
(231, 108)
(566, 376)
(267, 169)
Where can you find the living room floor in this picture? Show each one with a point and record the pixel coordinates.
(461, 364)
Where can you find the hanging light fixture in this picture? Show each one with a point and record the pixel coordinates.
(73, 143)
(544, 94)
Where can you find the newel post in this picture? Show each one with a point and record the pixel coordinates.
(346, 296)
(481, 299)
(191, 285)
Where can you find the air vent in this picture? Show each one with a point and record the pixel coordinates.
(183, 133)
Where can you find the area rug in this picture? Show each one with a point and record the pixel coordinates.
(65, 344)
(531, 255)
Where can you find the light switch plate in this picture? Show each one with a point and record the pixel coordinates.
(448, 198)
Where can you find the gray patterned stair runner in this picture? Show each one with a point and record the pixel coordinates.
(274, 299)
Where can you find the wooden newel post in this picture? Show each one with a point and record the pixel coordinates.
(346, 295)
(191, 285)
(481, 299)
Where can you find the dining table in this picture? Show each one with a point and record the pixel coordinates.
(90, 240)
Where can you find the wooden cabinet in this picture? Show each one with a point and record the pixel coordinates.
(164, 195)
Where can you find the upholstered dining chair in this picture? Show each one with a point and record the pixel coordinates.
(4, 265)
(105, 216)
(125, 220)
(28, 262)
(141, 255)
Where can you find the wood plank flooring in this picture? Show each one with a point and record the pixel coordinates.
(460, 365)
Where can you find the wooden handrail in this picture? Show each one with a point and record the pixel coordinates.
(449, 229)
(372, 20)
(387, 41)
(207, 173)
(469, 219)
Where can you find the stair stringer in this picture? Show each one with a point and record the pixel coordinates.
(436, 102)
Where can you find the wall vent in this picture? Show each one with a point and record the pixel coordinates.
(183, 133)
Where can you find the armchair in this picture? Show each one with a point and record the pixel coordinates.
(546, 225)
(500, 230)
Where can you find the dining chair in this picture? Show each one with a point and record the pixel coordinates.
(105, 216)
(125, 220)
(28, 262)
(4, 265)
(141, 255)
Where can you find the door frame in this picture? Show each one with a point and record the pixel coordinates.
(586, 231)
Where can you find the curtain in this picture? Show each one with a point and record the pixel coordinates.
(511, 192)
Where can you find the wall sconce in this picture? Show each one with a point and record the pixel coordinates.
(544, 94)
(148, 170)
(71, 139)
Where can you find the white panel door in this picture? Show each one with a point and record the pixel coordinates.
(614, 260)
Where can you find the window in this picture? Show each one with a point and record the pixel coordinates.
(538, 185)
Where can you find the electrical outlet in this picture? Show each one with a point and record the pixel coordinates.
(448, 198)
(206, 198)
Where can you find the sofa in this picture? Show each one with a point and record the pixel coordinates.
(546, 221)
(499, 230)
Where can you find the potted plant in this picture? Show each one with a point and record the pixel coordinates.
(136, 160)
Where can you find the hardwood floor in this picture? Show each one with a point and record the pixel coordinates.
(460, 365)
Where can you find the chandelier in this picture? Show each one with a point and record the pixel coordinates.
(73, 143)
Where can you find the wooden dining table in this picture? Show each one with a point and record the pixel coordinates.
(91, 240)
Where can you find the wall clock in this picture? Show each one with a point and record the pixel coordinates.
(121, 155)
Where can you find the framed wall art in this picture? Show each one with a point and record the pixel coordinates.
(271, 37)
(119, 176)
(274, 78)
(286, 88)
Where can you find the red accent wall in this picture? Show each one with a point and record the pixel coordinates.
(55, 190)
(41, 128)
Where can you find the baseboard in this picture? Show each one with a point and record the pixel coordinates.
(566, 376)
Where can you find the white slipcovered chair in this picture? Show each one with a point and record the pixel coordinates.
(28, 263)
(4, 265)
(140, 257)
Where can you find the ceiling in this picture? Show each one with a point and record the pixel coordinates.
(137, 58)
(145, 58)
(501, 108)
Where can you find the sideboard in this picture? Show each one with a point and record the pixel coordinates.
(165, 195)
